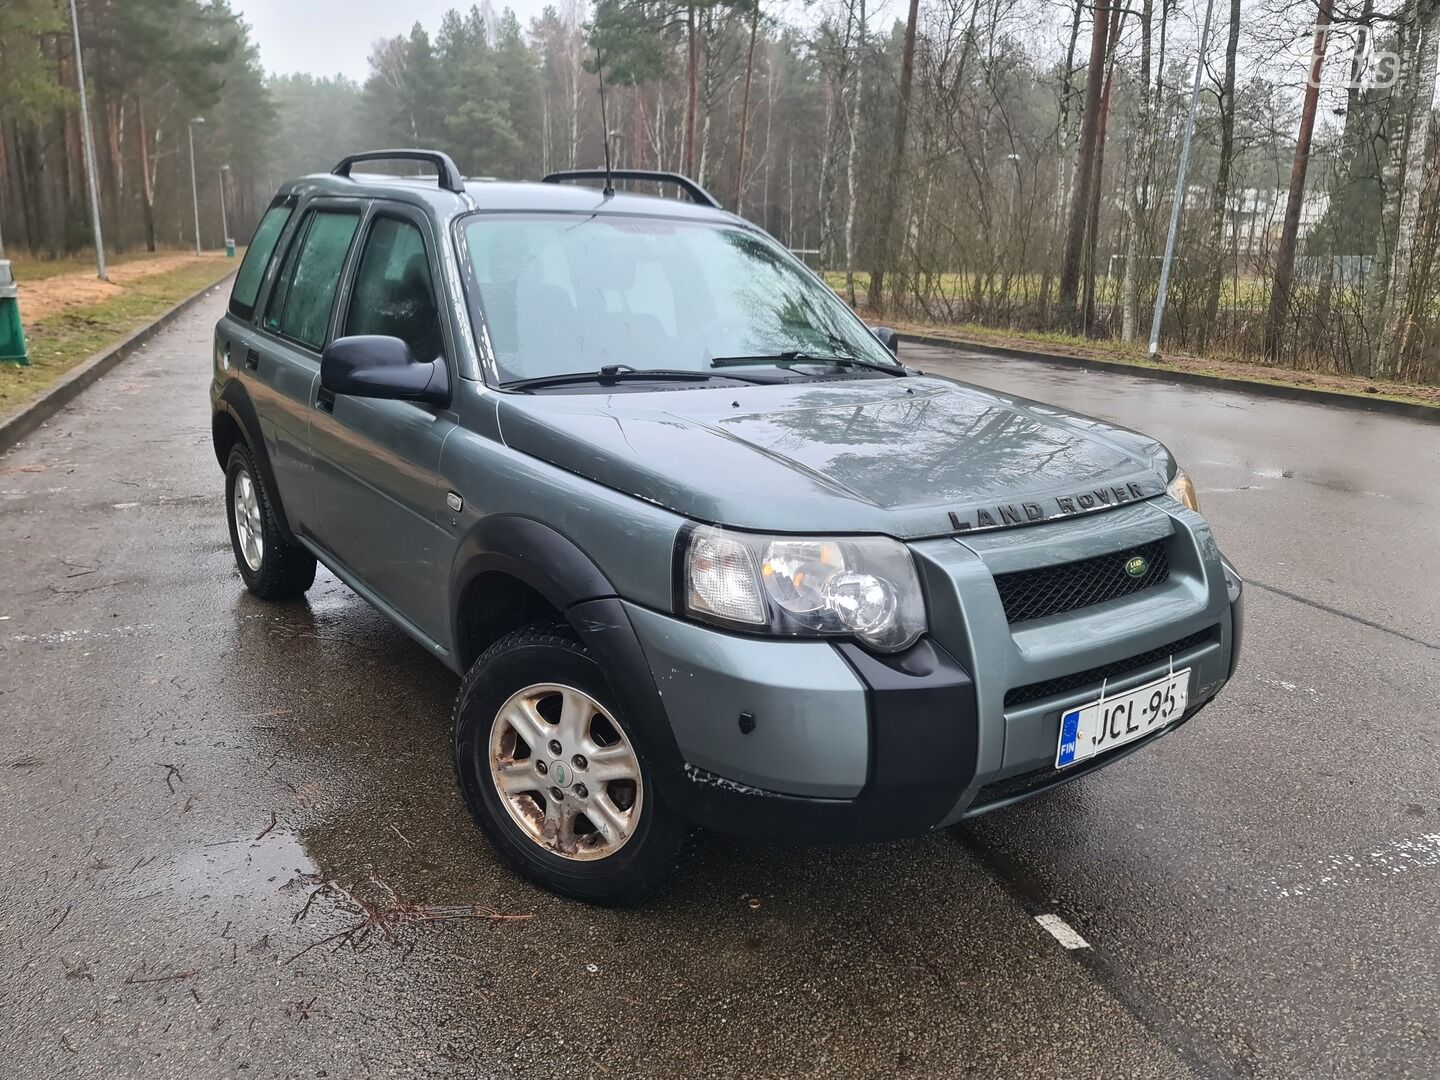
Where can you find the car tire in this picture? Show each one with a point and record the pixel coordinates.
(538, 679)
(271, 568)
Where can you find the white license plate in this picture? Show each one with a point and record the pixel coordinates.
(1121, 718)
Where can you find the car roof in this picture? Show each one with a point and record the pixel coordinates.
(499, 195)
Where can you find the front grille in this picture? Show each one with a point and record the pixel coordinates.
(1066, 683)
(1052, 590)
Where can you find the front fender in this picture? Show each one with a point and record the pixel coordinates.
(556, 568)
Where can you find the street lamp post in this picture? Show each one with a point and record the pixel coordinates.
(194, 188)
(89, 144)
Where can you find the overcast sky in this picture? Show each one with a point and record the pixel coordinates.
(328, 37)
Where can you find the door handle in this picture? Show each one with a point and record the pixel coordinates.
(252, 360)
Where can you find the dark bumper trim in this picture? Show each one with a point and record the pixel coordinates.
(923, 739)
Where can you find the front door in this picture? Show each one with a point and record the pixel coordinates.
(281, 359)
(375, 463)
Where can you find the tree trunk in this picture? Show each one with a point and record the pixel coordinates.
(885, 240)
(692, 87)
(765, 157)
(1344, 174)
(827, 179)
(1285, 257)
(745, 111)
(1420, 97)
(1084, 167)
(1092, 227)
(1219, 203)
(1139, 198)
(852, 175)
(147, 178)
(1062, 138)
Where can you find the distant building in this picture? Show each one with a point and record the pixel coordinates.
(1255, 221)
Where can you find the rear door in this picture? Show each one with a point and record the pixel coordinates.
(378, 498)
(238, 343)
(295, 327)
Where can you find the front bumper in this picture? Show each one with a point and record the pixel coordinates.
(811, 741)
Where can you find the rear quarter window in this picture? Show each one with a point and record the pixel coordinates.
(257, 258)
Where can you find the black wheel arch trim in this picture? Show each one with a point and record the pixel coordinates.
(533, 553)
(234, 402)
(556, 568)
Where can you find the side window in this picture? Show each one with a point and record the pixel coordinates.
(394, 294)
(305, 293)
(257, 258)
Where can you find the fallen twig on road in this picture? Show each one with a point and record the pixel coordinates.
(395, 912)
(131, 980)
(170, 770)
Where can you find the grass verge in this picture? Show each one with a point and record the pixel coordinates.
(29, 270)
(1065, 345)
(72, 336)
(1217, 365)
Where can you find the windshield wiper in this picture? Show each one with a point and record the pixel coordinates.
(797, 356)
(615, 373)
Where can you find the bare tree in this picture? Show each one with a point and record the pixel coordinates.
(1279, 313)
(885, 245)
(1084, 167)
(745, 108)
(1220, 199)
(1423, 50)
(852, 158)
(1139, 195)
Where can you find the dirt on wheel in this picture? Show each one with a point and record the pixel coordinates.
(40, 300)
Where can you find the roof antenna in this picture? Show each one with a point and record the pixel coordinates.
(604, 124)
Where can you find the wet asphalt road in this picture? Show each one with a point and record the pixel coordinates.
(1260, 890)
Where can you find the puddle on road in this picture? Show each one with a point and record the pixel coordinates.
(246, 871)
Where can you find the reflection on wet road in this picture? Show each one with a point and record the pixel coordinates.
(184, 770)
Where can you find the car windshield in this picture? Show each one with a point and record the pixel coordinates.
(565, 293)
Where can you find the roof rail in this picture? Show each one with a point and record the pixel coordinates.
(446, 173)
(697, 193)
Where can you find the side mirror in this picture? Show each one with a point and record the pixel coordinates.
(375, 366)
(889, 338)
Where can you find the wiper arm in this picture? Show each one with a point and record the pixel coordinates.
(796, 356)
(615, 373)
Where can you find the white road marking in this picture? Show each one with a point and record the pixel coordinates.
(1062, 931)
(1396, 857)
(1287, 686)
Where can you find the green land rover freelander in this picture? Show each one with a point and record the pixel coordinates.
(704, 552)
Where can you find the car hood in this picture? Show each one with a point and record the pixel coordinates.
(913, 457)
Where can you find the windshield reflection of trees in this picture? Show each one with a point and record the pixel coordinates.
(790, 311)
(948, 446)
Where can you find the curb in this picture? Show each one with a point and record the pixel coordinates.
(1412, 410)
(68, 388)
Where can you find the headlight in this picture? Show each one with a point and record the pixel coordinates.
(863, 587)
(1183, 491)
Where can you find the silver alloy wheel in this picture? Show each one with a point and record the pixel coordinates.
(248, 529)
(565, 771)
